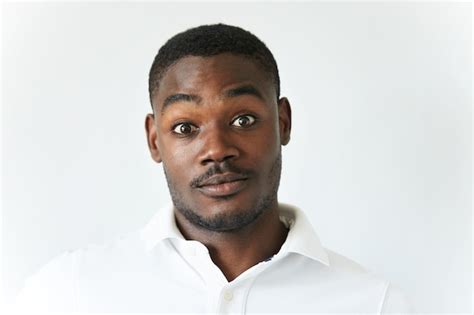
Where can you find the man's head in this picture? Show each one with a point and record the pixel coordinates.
(211, 40)
(218, 125)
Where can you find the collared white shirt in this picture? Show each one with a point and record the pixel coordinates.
(156, 270)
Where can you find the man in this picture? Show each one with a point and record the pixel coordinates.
(225, 245)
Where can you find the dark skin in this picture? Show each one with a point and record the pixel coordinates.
(229, 115)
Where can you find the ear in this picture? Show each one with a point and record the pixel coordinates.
(152, 137)
(284, 117)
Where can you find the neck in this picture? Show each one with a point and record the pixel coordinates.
(236, 251)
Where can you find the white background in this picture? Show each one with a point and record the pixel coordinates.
(380, 156)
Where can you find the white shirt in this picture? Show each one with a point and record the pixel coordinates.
(157, 270)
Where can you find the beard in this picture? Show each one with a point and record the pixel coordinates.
(228, 222)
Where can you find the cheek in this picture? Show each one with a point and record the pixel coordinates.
(177, 160)
(264, 148)
(172, 150)
(178, 155)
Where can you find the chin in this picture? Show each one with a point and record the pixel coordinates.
(227, 204)
(224, 214)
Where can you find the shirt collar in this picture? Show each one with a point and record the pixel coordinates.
(162, 226)
(301, 239)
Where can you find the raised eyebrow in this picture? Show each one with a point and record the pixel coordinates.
(179, 97)
(243, 90)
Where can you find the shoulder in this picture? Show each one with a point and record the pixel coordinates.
(55, 285)
(392, 298)
(344, 264)
(74, 261)
(349, 274)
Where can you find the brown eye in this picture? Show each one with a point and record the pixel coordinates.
(244, 121)
(184, 128)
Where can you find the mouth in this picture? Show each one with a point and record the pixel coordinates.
(223, 185)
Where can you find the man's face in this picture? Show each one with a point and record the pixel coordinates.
(218, 129)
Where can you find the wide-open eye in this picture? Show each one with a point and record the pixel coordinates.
(184, 128)
(244, 121)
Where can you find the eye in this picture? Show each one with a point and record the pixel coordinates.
(244, 121)
(184, 128)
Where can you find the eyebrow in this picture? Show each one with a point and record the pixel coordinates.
(243, 90)
(180, 97)
(230, 93)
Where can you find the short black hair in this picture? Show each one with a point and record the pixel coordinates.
(210, 40)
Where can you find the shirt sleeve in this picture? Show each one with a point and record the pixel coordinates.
(395, 301)
(52, 289)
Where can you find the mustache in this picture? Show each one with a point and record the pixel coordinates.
(219, 169)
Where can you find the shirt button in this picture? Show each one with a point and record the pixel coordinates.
(228, 296)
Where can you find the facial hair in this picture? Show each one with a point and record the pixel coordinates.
(225, 222)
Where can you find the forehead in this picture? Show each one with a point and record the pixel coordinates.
(208, 76)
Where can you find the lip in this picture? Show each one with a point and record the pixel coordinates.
(223, 185)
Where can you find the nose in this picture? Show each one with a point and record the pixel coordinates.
(217, 147)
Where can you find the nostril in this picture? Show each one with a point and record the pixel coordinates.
(218, 160)
(207, 161)
(229, 157)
